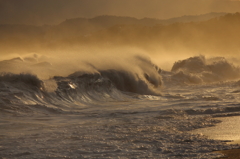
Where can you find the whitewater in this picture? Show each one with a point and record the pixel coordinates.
(124, 108)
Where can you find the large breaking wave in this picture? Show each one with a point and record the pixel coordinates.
(117, 110)
(26, 92)
(198, 70)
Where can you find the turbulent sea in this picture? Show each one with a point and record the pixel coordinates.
(115, 112)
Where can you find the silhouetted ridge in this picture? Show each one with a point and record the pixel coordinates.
(108, 20)
(194, 18)
(144, 33)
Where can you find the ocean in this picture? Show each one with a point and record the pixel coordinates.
(116, 108)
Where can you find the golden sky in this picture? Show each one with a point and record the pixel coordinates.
(40, 12)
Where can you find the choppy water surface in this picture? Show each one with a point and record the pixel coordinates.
(117, 113)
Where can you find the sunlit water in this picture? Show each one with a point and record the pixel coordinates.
(86, 116)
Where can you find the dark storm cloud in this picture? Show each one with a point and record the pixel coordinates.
(55, 11)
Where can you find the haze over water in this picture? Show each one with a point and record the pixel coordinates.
(86, 79)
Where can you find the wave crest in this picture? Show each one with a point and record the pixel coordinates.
(25, 78)
(198, 69)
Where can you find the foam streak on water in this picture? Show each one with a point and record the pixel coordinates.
(117, 113)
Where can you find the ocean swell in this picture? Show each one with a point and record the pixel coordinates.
(79, 89)
(198, 69)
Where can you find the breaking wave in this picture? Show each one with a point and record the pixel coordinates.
(198, 69)
(106, 107)
(84, 88)
(81, 88)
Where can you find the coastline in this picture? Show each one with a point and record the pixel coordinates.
(227, 130)
(230, 154)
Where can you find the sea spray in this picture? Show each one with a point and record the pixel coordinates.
(198, 69)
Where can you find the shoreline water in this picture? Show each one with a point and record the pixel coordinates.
(229, 154)
(87, 115)
(227, 130)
